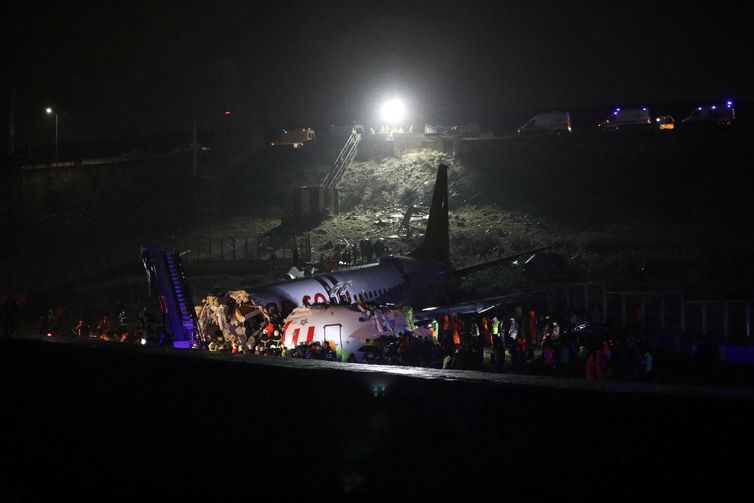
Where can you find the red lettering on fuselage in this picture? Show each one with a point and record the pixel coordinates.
(319, 298)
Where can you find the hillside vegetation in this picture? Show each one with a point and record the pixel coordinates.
(670, 212)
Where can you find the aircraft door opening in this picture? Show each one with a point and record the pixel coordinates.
(334, 333)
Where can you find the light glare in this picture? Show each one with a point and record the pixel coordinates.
(393, 111)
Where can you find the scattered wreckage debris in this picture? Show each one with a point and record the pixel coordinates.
(235, 323)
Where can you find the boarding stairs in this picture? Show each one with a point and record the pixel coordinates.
(165, 271)
(342, 162)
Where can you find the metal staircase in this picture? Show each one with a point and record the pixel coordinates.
(342, 162)
(165, 270)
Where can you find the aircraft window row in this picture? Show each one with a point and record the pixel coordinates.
(373, 294)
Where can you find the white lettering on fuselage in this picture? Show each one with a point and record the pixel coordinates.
(378, 282)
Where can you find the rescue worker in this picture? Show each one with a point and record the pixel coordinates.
(498, 343)
(145, 320)
(475, 334)
(487, 331)
(494, 327)
(446, 330)
(123, 325)
(435, 327)
(458, 331)
(591, 371)
(51, 321)
(548, 356)
(366, 250)
(647, 365)
(104, 328)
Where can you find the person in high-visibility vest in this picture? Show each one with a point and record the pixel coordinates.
(447, 329)
(435, 326)
(495, 330)
(458, 331)
(487, 331)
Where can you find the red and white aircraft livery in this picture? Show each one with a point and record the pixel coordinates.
(346, 327)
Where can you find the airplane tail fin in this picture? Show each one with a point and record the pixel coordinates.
(436, 245)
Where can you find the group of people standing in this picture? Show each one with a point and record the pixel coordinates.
(528, 343)
(364, 251)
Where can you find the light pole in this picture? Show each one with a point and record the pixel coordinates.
(50, 111)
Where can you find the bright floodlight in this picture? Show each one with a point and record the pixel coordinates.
(393, 111)
(48, 110)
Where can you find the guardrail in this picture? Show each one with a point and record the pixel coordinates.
(294, 246)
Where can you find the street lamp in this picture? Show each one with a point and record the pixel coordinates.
(50, 111)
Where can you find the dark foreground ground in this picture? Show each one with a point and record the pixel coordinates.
(97, 420)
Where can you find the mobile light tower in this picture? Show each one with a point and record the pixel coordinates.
(393, 111)
(50, 111)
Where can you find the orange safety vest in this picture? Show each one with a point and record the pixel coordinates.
(457, 329)
(486, 326)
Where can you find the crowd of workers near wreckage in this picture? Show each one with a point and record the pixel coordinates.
(522, 341)
(61, 321)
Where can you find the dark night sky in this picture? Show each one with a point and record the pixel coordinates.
(143, 67)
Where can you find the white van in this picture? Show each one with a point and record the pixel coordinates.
(712, 115)
(629, 118)
(547, 123)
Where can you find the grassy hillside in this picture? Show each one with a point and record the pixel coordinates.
(669, 211)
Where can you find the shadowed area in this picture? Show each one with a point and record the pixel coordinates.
(136, 420)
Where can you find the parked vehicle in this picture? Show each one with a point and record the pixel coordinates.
(665, 122)
(294, 137)
(627, 119)
(547, 123)
(712, 115)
